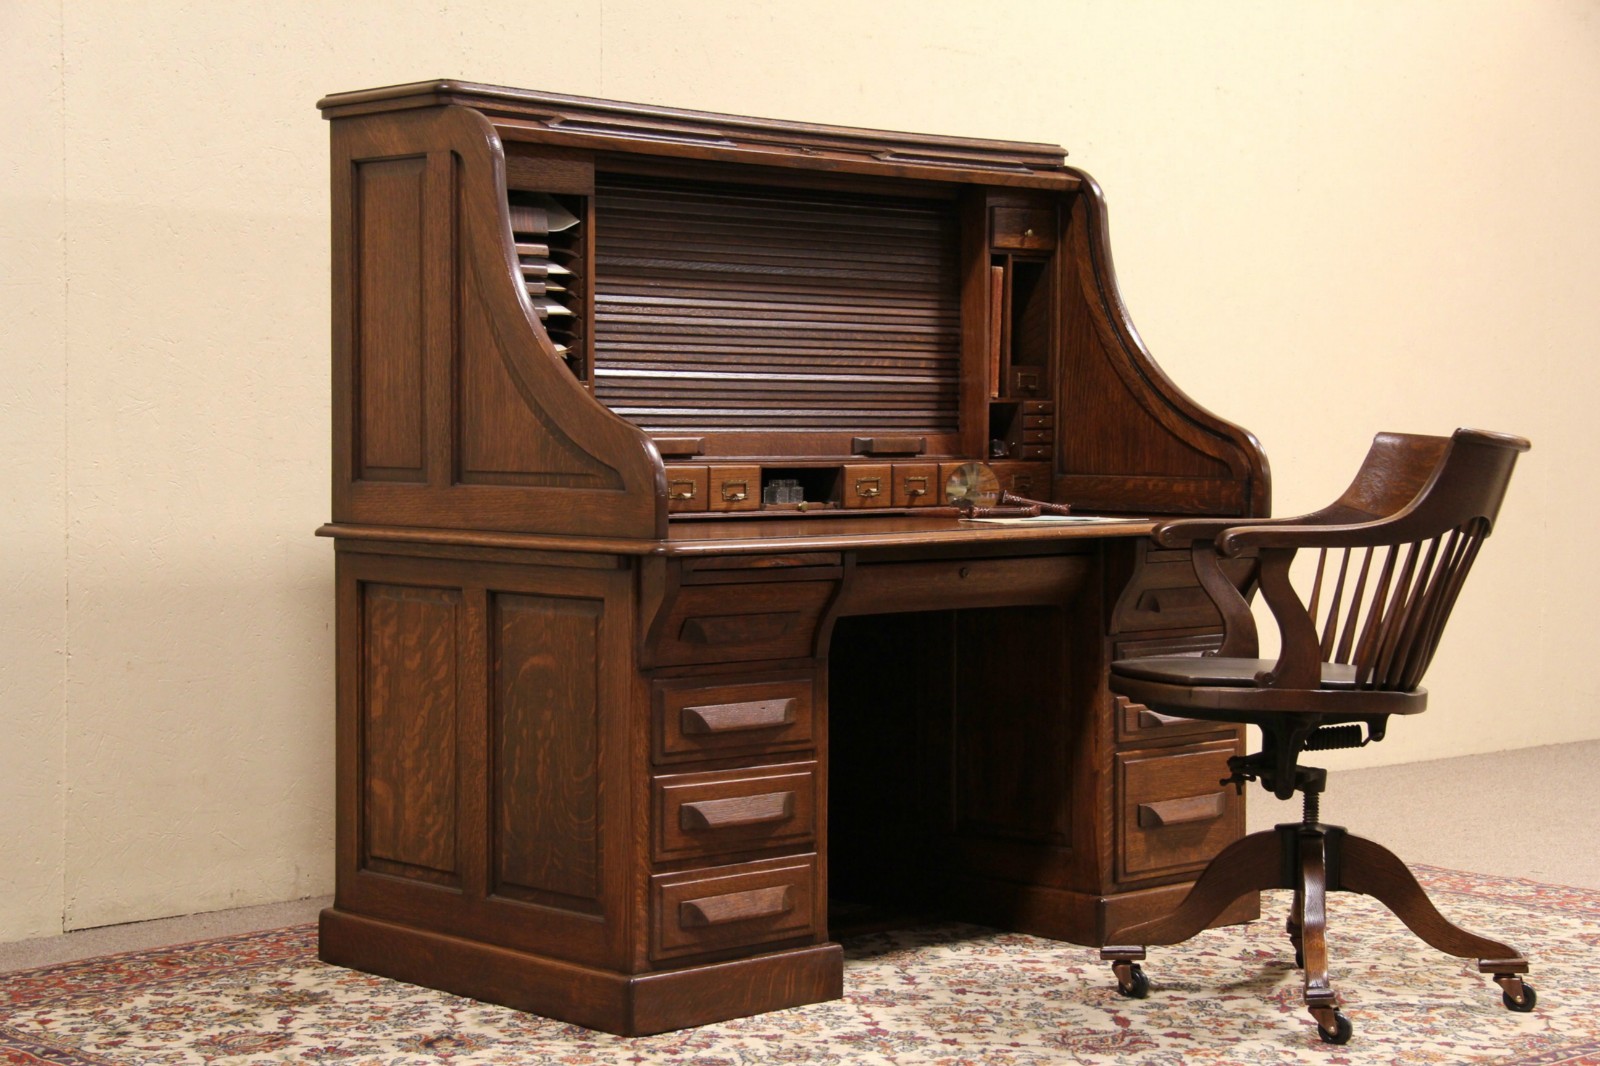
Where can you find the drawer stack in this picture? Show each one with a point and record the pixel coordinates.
(1171, 812)
(735, 785)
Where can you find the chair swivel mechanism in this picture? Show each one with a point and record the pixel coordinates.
(1391, 556)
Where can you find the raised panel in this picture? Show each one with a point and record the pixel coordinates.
(1013, 736)
(544, 720)
(390, 329)
(408, 726)
(502, 435)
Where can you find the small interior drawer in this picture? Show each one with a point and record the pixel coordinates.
(1025, 479)
(868, 485)
(696, 911)
(916, 485)
(1173, 813)
(1023, 228)
(697, 719)
(734, 810)
(687, 487)
(734, 488)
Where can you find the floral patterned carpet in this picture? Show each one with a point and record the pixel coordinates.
(949, 995)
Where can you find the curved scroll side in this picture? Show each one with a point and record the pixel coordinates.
(452, 407)
(628, 457)
(1228, 449)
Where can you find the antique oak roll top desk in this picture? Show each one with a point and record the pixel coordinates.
(656, 631)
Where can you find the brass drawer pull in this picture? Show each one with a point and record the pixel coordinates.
(731, 494)
(737, 811)
(736, 907)
(676, 493)
(916, 486)
(733, 717)
(869, 487)
(1186, 811)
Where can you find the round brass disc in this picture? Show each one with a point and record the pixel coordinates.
(972, 483)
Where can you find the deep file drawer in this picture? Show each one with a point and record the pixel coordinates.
(1173, 813)
(734, 810)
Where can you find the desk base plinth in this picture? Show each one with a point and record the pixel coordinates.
(624, 1004)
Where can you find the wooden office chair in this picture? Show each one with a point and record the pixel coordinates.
(1393, 552)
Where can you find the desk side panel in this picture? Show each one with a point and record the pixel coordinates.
(451, 405)
(1128, 438)
(486, 729)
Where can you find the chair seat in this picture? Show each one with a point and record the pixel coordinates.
(1215, 670)
(1225, 689)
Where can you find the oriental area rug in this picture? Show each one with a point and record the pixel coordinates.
(947, 995)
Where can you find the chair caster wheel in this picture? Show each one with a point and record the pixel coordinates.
(1340, 1033)
(1133, 984)
(1525, 1004)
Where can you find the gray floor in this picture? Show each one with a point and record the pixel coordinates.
(1524, 813)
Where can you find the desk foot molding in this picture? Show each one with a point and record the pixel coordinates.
(1076, 917)
(624, 1004)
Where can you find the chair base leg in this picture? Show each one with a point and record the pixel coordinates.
(1313, 860)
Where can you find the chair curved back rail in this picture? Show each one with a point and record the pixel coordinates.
(1392, 554)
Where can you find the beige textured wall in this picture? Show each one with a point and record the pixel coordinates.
(1329, 219)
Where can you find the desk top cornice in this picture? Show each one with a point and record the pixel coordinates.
(558, 118)
(757, 536)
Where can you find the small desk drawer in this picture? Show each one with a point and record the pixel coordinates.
(697, 911)
(734, 488)
(697, 719)
(1135, 721)
(1164, 593)
(740, 623)
(1023, 228)
(687, 488)
(734, 810)
(1173, 814)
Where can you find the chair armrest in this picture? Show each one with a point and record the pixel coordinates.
(1394, 529)
(1183, 532)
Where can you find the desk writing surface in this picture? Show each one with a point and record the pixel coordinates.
(890, 531)
(725, 536)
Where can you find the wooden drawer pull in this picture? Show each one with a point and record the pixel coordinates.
(736, 907)
(1149, 719)
(737, 628)
(733, 717)
(737, 811)
(1184, 811)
